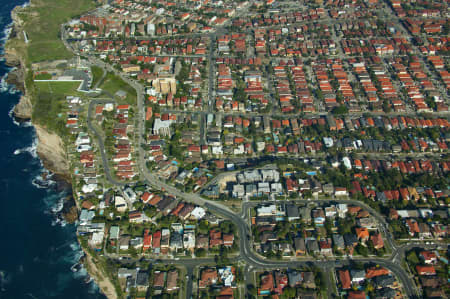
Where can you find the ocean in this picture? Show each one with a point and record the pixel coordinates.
(38, 249)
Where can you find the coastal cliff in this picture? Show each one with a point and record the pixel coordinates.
(24, 108)
(50, 147)
(52, 152)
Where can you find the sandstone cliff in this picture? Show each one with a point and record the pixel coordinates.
(52, 152)
(50, 148)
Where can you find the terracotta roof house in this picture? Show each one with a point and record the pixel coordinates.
(344, 278)
(228, 239)
(362, 233)
(207, 278)
(172, 278)
(429, 257)
(425, 270)
(376, 271)
(202, 241)
(215, 238)
(266, 285)
(356, 295)
(377, 241)
(158, 280)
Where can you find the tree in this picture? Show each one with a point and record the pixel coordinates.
(289, 292)
(133, 251)
(412, 258)
(200, 252)
(252, 290)
(362, 250)
(342, 109)
(203, 226)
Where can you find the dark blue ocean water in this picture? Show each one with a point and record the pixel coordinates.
(36, 250)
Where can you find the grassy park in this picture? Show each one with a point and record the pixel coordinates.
(50, 104)
(112, 84)
(58, 88)
(97, 74)
(42, 21)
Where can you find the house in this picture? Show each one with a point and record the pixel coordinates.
(309, 280)
(384, 281)
(124, 242)
(313, 246)
(305, 214)
(424, 230)
(377, 241)
(114, 232)
(202, 241)
(142, 281)
(328, 188)
(176, 241)
(295, 278)
(172, 281)
(431, 281)
(215, 238)
(350, 240)
(319, 217)
(228, 240)
(376, 271)
(413, 226)
(299, 245)
(367, 222)
(356, 295)
(326, 247)
(281, 281)
(425, 270)
(208, 277)
(362, 234)
(292, 212)
(358, 276)
(136, 242)
(124, 273)
(158, 280)
(266, 285)
(428, 257)
(147, 242)
(227, 276)
(156, 243)
(434, 293)
(340, 191)
(344, 278)
(136, 217)
(338, 242)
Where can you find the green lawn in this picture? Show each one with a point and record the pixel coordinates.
(49, 111)
(43, 76)
(42, 24)
(113, 83)
(58, 88)
(50, 104)
(97, 74)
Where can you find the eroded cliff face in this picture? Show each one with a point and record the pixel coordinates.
(52, 152)
(13, 58)
(50, 147)
(23, 108)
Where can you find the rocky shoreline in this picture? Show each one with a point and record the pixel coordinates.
(52, 152)
(50, 148)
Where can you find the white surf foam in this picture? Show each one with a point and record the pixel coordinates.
(11, 115)
(32, 149)
(4, 87)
